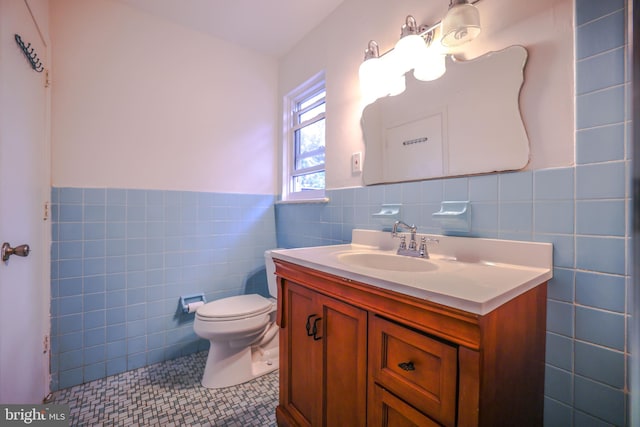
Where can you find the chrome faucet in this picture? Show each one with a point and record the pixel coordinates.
(402, 249)
(413, 249)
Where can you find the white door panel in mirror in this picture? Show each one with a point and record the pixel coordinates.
(414, 148)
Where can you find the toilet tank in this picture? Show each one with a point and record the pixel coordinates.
(271, 273)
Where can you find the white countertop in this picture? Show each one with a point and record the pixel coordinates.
(471, 274)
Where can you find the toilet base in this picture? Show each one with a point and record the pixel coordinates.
(227, 366)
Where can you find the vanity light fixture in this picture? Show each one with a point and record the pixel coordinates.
(417, 50)
(383, 75)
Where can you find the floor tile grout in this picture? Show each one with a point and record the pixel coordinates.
(170, 393)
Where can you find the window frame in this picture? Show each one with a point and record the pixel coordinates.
(291, 102)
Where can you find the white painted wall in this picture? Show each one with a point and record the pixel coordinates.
(544, 27)
(139, 102)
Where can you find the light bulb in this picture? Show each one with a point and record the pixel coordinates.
(393, 74)
(396, 85)
(371, 79)
(406, 51)
(432, 65)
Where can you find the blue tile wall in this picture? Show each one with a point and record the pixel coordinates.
(583, 210)
(120, 260)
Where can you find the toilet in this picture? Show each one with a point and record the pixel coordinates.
(242, 333)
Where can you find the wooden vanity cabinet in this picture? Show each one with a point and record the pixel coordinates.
(353, 355)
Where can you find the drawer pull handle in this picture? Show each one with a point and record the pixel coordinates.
(309, 331)
(407, 366)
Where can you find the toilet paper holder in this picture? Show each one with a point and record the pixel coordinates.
(185, 300)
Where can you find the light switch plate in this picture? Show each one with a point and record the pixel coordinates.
(356, 162)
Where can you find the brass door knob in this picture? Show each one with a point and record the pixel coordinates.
(7, 251)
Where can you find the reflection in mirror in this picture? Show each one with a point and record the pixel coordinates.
(467, 122)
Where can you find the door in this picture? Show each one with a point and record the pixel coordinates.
(24, 187)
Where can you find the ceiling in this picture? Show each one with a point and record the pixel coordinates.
(271, 27)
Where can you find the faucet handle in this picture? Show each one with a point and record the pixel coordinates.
(412, 244)
(403, 242)
(423, 247)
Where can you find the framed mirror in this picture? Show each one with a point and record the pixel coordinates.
(467, 122)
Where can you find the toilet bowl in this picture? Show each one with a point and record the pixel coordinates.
(242, 333)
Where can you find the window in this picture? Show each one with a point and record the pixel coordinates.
(304, 176)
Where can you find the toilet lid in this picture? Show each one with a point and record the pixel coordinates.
(235, 307)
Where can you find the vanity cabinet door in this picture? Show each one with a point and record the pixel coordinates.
(324, 368)
(300, 359)
(417, 368)
(344, 345)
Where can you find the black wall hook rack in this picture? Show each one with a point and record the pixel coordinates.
(31, 55)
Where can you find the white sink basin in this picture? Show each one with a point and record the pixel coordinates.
(383, 261)
(471, 274)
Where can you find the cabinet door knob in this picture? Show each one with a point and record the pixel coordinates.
(407, 366)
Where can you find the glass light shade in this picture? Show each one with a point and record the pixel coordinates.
(460, 25)
(430, 67)
(394, 81)
(407, 49)
(371, 78)
(378, 79)
(395, 85)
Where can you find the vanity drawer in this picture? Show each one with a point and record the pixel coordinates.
(419, 369)
(390, 411)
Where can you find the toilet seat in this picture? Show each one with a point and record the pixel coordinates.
(234, 308)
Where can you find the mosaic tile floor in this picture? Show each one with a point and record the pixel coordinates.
(170, 394)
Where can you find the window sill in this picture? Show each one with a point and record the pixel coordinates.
(302, 201)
